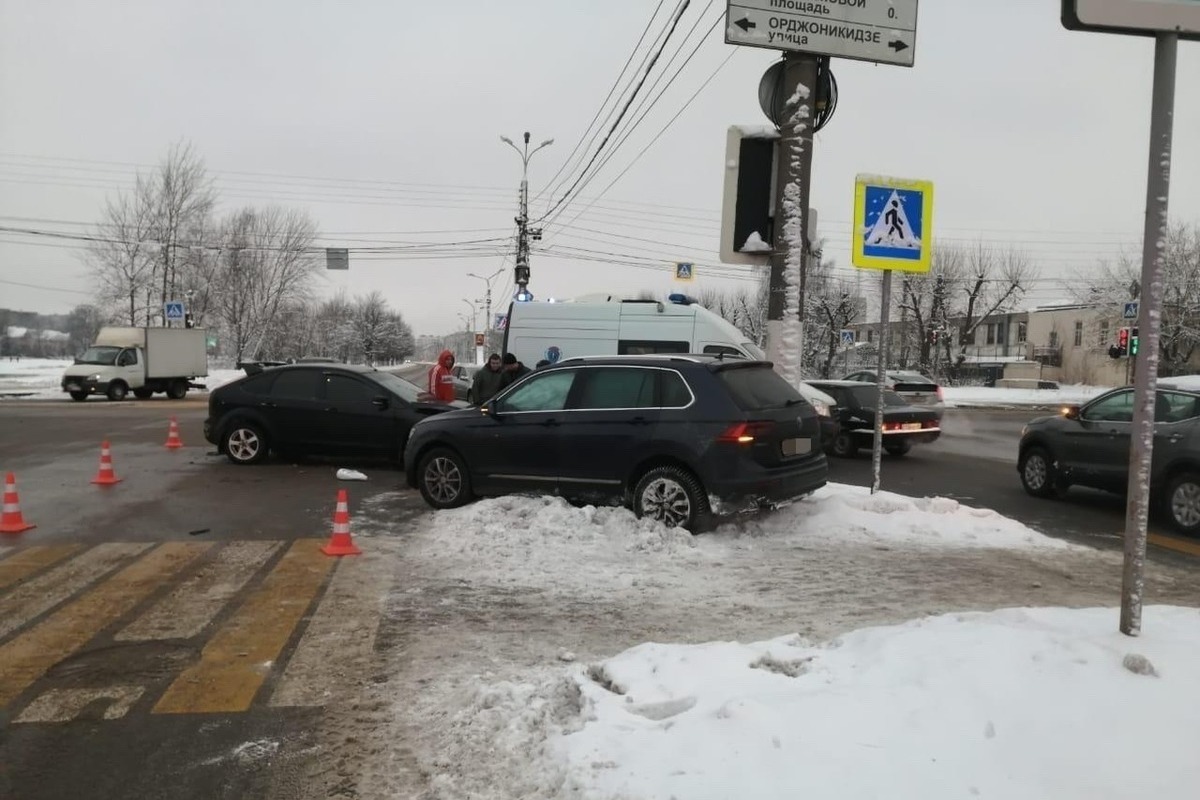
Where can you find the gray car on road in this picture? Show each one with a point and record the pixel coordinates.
(1089, 446)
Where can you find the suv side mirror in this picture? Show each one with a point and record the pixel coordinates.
(1071, 411)
(381, 402)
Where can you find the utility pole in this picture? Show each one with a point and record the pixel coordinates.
(793, 176)
(524, 232)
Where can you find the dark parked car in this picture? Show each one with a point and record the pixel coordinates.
(680, 439)
(1089, 446)
(915, 388)
(315, 408)
(903, 424)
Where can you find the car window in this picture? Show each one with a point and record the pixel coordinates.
(722, 350)
(407, 390)
(615, 387)
(546, 392)
(1175, 407)
(1113, 408)
(346, 389)
(127, 358)
(258, 384)
(674, 392)
(867, 397)
(296, 384)
(647, 347)
(758, 387)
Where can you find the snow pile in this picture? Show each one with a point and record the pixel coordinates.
(851, 514)
(220, 377)
(991, 396)
(1019, 703)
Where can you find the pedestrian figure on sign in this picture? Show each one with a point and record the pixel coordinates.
(892, 218)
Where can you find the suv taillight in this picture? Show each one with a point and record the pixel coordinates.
(745, 432)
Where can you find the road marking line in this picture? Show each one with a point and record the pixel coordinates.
(339, 640)
(27, 561)
(237, 659)
(33, 598)
(1171, 543)
(64, 705)
(29, 655)
(188, 609)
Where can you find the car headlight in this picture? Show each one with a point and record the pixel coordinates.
(95, 377)
(822, 408)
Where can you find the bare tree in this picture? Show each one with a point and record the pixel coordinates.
(926, 299)
(746, 309)
(377, 328)
(121, 255)
(992, 282)
(267, 262)
(180, 196)
(1110, 285)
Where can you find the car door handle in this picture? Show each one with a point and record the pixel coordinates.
(1175, 437)
(267, 404)
(640, 421)
(330, 408)
(551, 423)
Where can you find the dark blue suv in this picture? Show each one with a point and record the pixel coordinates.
(679, 438)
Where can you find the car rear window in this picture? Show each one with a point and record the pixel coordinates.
(758, 387)
(866, 396)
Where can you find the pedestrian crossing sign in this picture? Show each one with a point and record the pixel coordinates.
(893, 223)
(684, 271)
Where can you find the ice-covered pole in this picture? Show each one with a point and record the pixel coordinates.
(1158, 182)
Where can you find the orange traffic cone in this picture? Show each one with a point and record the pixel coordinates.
(105, 476)
(340, 543)
(173, 440)
(11, 520)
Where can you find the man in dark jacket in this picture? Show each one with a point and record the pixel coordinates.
(488, 381)
(513, 370)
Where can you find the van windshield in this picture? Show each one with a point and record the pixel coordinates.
(754, 350)
(105, 356)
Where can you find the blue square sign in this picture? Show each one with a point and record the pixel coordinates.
(174, 311)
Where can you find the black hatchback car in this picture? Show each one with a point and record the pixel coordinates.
(677, 438)
(903, 424)
(317, 409)
(1089, 446)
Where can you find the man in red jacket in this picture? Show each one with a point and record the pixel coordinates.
(441, 382)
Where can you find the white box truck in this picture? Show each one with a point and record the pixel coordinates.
(601, 325)
(139, 360)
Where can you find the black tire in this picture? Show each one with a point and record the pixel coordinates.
(898, 449)
(673, 496)
(177, 390)
(443, 479)
(1182, 502)
(1038, 475)
(117, 390)
(245, 443)
(79, 397)
(143, 393)
(843, 445)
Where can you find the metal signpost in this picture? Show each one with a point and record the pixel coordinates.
(892, 229)
(1167, 21)
(883, 31)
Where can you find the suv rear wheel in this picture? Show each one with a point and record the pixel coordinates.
(673, 496)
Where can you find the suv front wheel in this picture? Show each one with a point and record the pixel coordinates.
(672, 496)
(1183, 502)
(443, 479)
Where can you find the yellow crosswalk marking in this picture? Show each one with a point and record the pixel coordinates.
(25, 658)
(236, 661)
(24, 563)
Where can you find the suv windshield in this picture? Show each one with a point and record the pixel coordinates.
(758, 387)
(397, 385)
(106, 356)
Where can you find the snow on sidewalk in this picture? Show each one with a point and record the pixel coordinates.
(988, 396)
(1018, 703)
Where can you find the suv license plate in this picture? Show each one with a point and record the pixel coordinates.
(796, 447)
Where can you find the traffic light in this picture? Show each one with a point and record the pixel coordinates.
(1123, 341)
(188, 321)
(1133, 342)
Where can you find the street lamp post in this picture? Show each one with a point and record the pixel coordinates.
(473, 339)
(487, 298)
(521, 270)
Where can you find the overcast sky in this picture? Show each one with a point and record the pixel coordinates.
(382, 119)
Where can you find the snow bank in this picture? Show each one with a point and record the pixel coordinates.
(32, 377)
(1019, 703)
(990, 396)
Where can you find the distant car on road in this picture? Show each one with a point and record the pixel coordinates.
(903, 424)
(678, 438)
(463, 374)
(315, 408)
(1088, 445)
(915, 388)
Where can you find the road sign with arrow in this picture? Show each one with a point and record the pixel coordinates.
(884, 31)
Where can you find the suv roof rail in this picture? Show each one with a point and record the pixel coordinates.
(695, 359)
